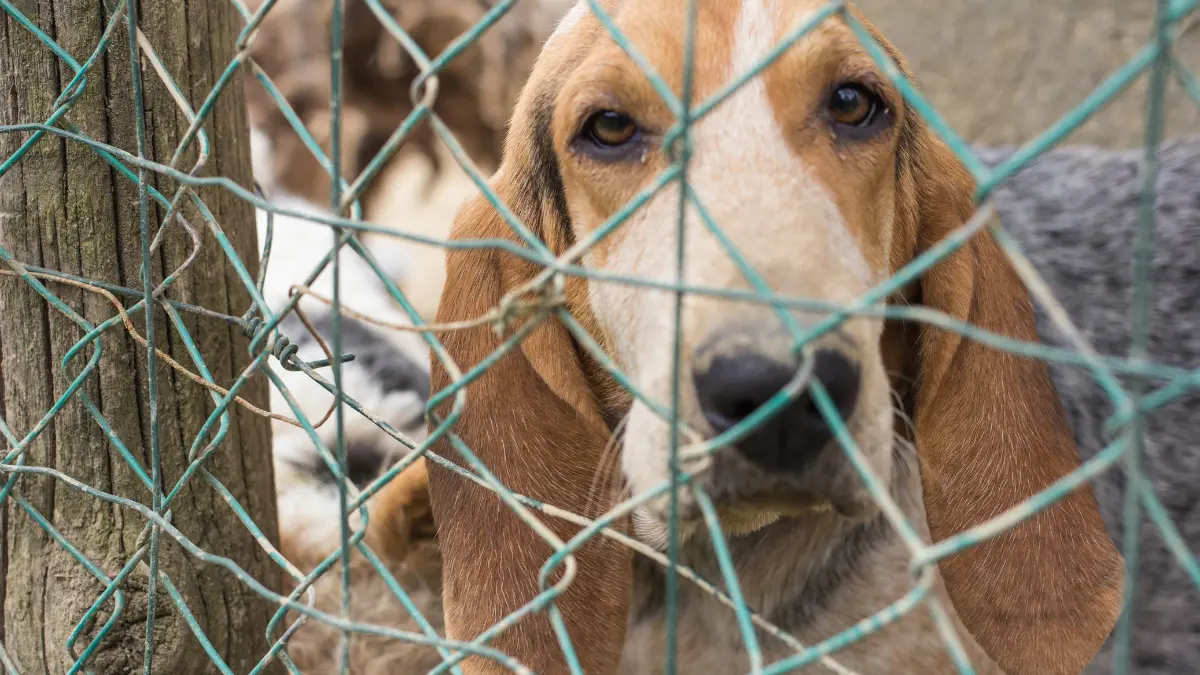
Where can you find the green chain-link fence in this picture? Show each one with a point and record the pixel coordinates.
(120, 23)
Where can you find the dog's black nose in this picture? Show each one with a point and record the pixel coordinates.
(734, 386)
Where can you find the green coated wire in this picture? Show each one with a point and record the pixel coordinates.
(1139, 329)
(139, 108)
(335, 154)
(1151, 385)
(680, 147)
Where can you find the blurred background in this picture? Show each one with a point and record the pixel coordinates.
(1001, 71)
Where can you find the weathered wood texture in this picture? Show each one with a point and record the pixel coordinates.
(63, 208)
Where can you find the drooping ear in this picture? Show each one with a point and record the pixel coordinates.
(531, 417)
(991, 431)
(534, 421)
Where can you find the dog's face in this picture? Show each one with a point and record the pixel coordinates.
(825, 184)
(782, 167)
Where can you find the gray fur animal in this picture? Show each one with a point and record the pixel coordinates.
(1075, 213)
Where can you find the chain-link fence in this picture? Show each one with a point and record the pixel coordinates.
(261, 323)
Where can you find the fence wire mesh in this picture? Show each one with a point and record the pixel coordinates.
(262, 323)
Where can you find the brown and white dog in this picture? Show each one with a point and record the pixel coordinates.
(827, 183)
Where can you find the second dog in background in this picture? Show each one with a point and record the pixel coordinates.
(416, 192)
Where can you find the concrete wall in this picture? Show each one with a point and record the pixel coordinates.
(1001, 71)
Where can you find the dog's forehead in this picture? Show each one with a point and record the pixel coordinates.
(731, 36)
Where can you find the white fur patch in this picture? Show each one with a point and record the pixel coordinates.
(299, 244)
(570, 19)
(308, 511)
(751, 125)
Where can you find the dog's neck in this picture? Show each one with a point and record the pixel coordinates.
(812, 577)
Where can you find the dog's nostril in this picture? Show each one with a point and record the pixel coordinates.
(733, 387)
(839, 376)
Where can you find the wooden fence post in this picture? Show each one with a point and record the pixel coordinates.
(64, 208)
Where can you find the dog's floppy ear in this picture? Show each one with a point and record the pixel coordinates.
(534, 421)
(991, 431)
(532, 418)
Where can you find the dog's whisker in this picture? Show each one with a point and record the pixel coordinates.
(898, 409)
(608, 460)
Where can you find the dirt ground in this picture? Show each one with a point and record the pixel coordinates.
(1001, 71)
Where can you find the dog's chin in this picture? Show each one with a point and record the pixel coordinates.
(743, 516)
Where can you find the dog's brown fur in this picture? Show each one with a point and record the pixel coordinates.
(552, 437)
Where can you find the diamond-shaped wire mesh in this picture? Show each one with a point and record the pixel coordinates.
(262, 322)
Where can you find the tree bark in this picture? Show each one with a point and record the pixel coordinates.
(63, 207)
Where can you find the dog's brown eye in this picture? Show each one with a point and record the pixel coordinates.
(610, 129)
(853, 106)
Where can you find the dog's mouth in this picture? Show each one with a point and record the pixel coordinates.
(745, 492)
(739, 514)
(751, 514)
(747, 497)
(743, 514)
(781, 502)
